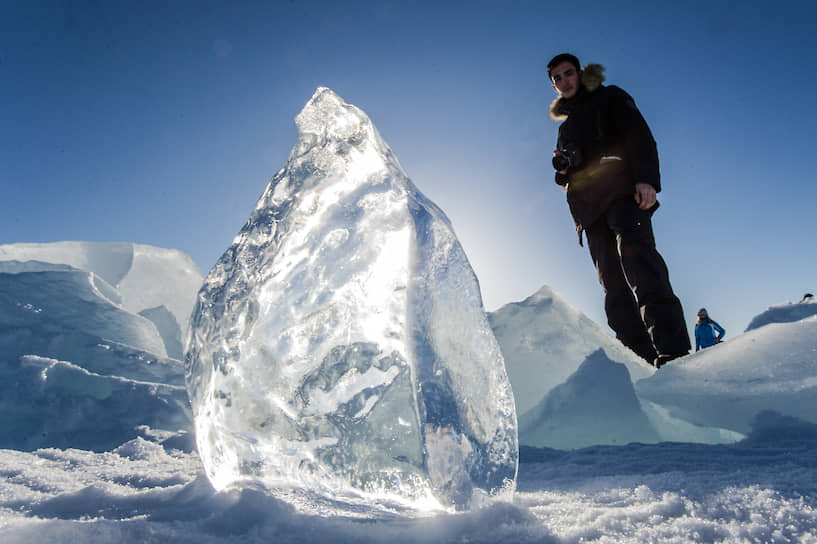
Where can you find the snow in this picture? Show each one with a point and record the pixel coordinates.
(96, 442)
(148, 484)
(568, 415)
(670, 492)
(109, 260)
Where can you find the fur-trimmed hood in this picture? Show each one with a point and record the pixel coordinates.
(592, 78)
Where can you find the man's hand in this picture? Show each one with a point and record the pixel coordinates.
(644, 195)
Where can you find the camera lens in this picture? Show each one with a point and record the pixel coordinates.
(561, 162)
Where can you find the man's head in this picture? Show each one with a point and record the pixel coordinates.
(565, 74)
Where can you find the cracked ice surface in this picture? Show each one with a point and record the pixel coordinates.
(340, 345)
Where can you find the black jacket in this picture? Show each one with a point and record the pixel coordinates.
(615, 145)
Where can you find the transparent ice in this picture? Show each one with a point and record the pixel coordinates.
(340, 344)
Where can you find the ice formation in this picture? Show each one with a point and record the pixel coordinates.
(340, 344)
(544, 341)
(77, 368)
(773, 367)
(156, 283)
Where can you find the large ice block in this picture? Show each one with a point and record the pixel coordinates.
(340, 344)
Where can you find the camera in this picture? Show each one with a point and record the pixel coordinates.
(567, 157)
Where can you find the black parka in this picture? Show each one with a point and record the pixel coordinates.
(616, 147)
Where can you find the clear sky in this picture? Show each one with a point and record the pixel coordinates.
(162, 122)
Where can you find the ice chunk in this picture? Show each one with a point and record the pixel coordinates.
(110, 260)
(784, 313)
(545, 339)
(56, 306)
(596, 405)
(340, 344)
(168, 329)
(58, 404)
(77, 370)
(773, 367)
(139, 277)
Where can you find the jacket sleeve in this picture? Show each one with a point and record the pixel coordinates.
(641, 152)
(697, 338)
(721, 330)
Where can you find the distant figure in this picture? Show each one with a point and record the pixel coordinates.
(806, 297)
(707, 331)
(607, 161)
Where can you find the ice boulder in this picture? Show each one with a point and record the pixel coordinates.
(50, 403)
(157, 283)
(62, 313)
(770, 368)
(77, 370)
(340, 344)
(784, 313)
(596, 405)
(545, 340)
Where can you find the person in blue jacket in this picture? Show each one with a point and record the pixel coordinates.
(707, 331)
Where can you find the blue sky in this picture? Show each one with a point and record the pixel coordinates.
(162, 122)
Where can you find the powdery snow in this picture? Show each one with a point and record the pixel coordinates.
(754, 390)
(671, 492)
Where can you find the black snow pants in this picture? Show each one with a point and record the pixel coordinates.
(641, 307)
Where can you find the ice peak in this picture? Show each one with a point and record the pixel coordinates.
(328, 116)
(340, 343)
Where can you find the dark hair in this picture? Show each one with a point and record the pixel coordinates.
(563, 57)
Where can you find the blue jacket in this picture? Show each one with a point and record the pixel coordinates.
(705, 334)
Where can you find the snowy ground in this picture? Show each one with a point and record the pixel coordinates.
(64, 382)
(762, 490)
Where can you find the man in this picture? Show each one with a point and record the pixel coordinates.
(607, 161)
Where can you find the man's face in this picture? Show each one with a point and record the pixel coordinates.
(565, 79)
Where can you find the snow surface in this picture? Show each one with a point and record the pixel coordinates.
(141, 492)
(148, 484)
